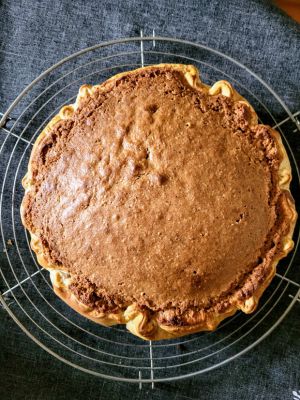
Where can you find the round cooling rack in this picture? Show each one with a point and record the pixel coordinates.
(27, 294)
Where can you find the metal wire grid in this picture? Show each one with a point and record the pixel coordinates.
(27, 294)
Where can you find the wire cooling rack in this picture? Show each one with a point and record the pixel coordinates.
(26, 290)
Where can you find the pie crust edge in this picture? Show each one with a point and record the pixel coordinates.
(142, 323)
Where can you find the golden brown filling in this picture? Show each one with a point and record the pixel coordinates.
(156, 193)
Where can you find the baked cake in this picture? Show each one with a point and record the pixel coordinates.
(159, 202)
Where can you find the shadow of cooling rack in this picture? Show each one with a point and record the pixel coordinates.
(26, 292)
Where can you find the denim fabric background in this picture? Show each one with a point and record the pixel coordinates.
(36, 34)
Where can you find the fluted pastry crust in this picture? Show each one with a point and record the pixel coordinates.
(155, 320)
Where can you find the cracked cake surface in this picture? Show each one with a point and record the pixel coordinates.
(159, 202)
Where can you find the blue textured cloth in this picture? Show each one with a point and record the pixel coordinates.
(36, 34)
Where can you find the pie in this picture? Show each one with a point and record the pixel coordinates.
(159, 202)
